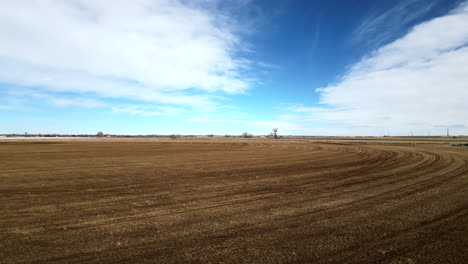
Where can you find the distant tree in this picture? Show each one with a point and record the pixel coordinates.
(174, 136)
(275, 132)
(210, 135)
(247, 135)
(100, 134)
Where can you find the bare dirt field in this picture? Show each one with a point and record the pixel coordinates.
(238, 201)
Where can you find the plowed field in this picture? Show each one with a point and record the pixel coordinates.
(232, 201)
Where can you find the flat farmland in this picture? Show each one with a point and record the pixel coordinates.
(232, 201)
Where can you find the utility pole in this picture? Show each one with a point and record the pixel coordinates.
(448, 135)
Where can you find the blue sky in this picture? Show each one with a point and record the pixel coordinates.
(228, 67)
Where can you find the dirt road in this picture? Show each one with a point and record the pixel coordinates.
(239, 201)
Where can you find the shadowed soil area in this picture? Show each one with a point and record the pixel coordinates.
(214, 201)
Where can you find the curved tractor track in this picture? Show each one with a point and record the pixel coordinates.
(240, 201)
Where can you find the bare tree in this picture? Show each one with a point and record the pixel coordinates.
(247, 135)
(275, 132)
(100, 134)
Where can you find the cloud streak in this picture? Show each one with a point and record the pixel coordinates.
(147, 111)
(381, 27)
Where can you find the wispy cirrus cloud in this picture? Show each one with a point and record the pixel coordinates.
(61, 101)
(6, 107)
(415, 83)
(381, 26)
(173, 52)
(147, 110)
(20, 98)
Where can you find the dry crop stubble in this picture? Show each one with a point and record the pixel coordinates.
(232, 201)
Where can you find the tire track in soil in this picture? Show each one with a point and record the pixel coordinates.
(219, 198)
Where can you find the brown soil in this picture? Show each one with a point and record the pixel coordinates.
(232, 201)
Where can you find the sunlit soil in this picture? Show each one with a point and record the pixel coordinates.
(160, 201)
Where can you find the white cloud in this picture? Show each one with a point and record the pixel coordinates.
(6, 107)
(145, 50)
(66, 102)
(145, 110)
(18, 99)
(415, 83)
